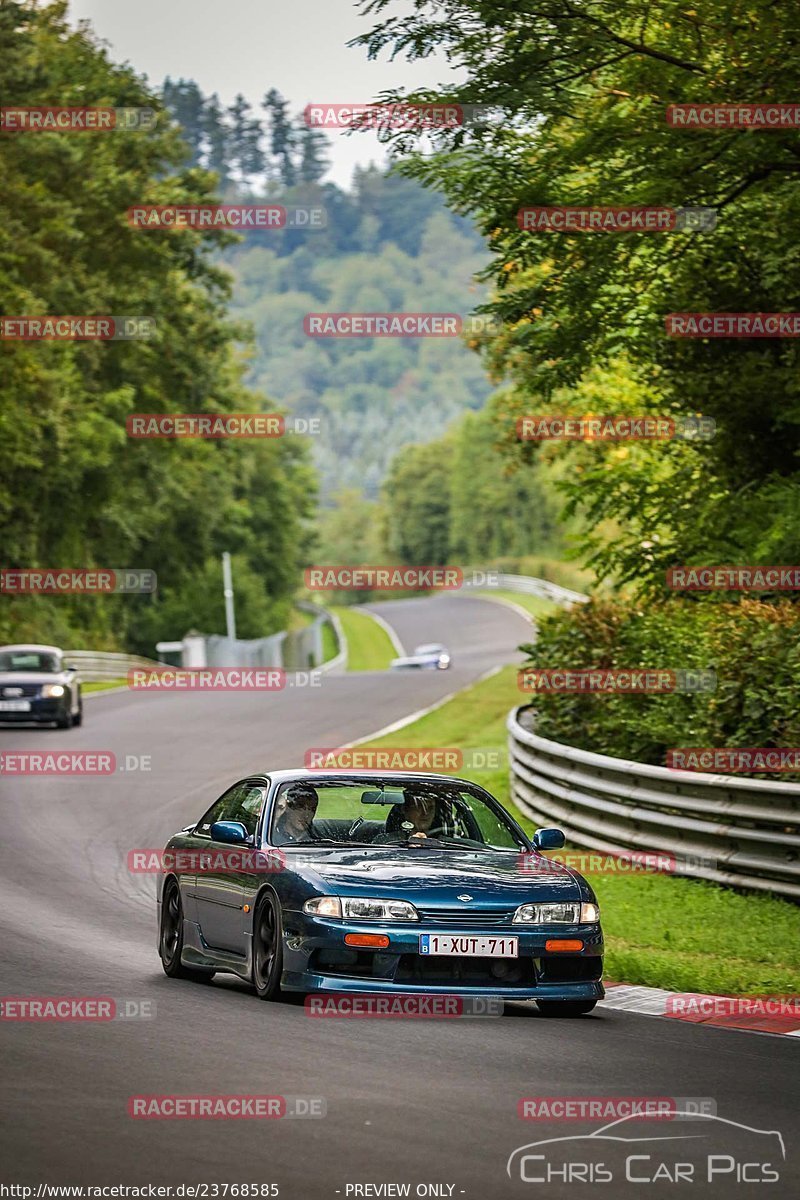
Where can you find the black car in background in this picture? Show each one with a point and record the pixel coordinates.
(36, 687)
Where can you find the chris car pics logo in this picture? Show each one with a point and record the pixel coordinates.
(703, 1148)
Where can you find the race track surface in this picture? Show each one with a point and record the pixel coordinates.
(408, 1101)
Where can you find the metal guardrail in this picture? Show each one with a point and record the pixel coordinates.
(537, 587)
(95, 666)
(740, 832)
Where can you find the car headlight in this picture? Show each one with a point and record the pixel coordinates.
(556, 914)
(52, 689)
(357, 908)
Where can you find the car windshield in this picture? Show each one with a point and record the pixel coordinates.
(29, 660)
(415, 815)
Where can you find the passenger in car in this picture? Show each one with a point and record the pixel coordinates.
(298, 807)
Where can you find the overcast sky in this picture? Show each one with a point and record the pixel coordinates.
(229, 46)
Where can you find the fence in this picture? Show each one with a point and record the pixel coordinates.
(741, 832)
(295, 650)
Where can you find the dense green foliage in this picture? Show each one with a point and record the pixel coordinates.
(75, 491)
(372, 395)
(453, 501)
(387, 245)
(754, 648)
(580, 93)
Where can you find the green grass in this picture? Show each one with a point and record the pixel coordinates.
(663, 931)
(368, 644)
(103, 685)
(535, 605)
(330, 646)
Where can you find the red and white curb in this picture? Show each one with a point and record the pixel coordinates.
(754, 1014)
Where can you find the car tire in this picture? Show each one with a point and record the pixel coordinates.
(64, 722)
(565, 1008)
(267, 948)
(77, 720)
(170, 939)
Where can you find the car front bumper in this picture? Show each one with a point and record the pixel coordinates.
(41, 712)
(316, 959)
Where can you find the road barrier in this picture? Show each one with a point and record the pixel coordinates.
(96, 666)
(536, 587)
(740, 832)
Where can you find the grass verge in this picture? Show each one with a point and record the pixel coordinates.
(369, 647)
(103, 685)
(537, 606)
(660, 930)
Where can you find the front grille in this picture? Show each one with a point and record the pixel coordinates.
(16, 691)
(468, 972)
(466, 916)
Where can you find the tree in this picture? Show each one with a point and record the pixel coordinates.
(75, 491)
(282, 136)
(313, 153)
(218, 141)
(581, 92)
(245, 141)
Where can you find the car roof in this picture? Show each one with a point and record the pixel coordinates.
(33, 646)
(332, 776)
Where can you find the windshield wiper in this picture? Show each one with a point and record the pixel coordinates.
(311, 842)
(321, 842)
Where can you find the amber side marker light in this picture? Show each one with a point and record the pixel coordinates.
(563, 944)
(366, 939)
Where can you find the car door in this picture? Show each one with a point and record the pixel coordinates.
(220, 889)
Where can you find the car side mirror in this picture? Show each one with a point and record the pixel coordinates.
(232, 832)
(549, 839)
(70, 667)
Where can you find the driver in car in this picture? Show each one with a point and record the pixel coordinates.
(419, 815)
(294, 822)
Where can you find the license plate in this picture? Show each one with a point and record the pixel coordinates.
(15, 706)
(466, 946)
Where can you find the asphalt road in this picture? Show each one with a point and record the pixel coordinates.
(422, 1102)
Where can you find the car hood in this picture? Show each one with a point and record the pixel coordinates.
(15, 678)
(431, 878)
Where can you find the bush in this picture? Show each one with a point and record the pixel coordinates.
(754, 648)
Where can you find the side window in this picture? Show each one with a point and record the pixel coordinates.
(221, 809)
(248, 806)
